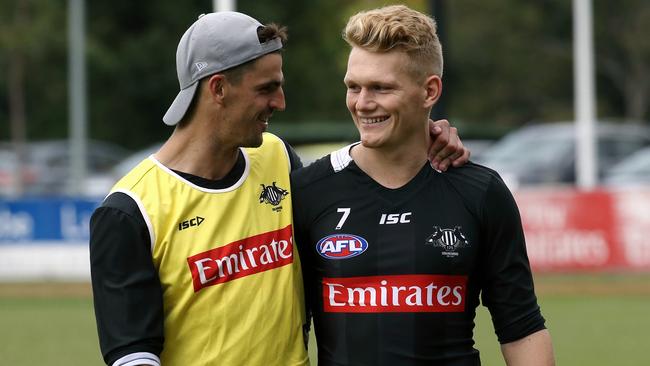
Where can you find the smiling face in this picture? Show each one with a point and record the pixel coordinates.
(388, 106)
(250, 102)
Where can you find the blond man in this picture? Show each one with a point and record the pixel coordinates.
(396, 254)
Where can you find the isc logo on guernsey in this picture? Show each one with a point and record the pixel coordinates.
(341, 246)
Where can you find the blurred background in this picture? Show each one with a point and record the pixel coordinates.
(508, 65)
(553, 94)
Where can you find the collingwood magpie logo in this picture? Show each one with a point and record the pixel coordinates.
(448, 239)
(272, 194)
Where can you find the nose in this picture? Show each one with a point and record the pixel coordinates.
(277, 101)
(364, 100)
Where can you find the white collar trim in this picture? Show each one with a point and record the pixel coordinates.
(341, 158)
(208, 190)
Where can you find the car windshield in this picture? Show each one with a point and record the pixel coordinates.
(637, 164)
(529, 149)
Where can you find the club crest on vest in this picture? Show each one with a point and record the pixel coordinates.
(272, 194)
(448, 239)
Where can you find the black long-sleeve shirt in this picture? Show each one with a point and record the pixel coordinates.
(393, 276)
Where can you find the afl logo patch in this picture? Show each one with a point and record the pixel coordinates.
(341, 246)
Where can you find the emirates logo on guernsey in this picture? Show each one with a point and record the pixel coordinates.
(396, 294)
(242, 258)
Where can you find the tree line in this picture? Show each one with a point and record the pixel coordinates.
(507, 63)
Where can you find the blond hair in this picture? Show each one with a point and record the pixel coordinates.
(401, 28)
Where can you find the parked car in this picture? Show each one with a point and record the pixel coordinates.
(631, 171)
(46, 169)
(8, 170)
(99, 184)
(543, 154)
(477, 147)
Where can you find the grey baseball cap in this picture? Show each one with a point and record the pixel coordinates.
(215, 42)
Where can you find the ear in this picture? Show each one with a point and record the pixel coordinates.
(433, 87)
(216, 87)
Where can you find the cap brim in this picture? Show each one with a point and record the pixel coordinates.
(180, 105)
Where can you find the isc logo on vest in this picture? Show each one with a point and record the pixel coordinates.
(191, 222)
(341, 246)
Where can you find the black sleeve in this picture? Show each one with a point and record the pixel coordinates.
(508, 290)
(126, 290)
(294, 159)
(301, 241)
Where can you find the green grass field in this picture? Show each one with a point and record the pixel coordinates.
(594, 320)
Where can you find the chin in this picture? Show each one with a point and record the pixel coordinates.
(257, 142)
(370, 141)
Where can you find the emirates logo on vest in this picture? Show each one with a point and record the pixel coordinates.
(242, 258)
(395, 294)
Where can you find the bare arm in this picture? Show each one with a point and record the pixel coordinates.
(533, 350)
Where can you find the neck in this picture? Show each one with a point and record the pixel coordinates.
(191, 150)
(393, 167)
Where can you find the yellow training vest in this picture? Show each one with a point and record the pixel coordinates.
(227, 263)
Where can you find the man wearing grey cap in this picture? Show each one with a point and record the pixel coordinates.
(192, 253)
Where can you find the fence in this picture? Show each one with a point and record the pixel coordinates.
(566, 231)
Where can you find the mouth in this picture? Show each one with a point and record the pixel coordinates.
(264, 120)
(372, 120)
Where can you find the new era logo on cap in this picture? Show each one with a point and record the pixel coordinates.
(201, 65)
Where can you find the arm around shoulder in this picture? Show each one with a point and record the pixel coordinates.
(535, 349)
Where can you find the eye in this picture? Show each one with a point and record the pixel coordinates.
(380, 88)
(352, 88)
(266, 90)
(270, 88)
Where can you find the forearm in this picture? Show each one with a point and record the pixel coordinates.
(533, 350)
